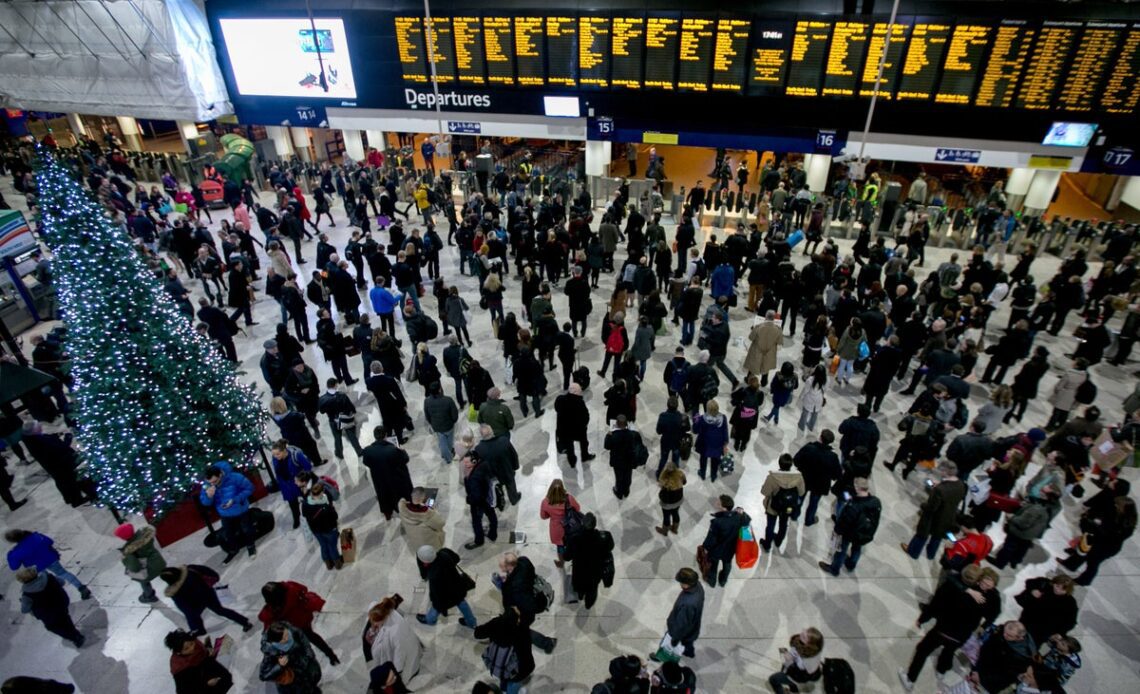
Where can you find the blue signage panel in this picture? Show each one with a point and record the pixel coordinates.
(464, 127)
(957, 156)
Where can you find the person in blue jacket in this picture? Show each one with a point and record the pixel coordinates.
(723, 281)
(711, 430)
(38, 551)
(384, 304)
(228, 491)
(287, 462)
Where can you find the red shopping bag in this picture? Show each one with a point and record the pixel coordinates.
(747, 548)
(1003, 503)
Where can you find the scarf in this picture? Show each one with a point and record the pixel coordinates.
(180, 662)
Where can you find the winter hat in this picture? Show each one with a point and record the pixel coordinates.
(426, 554)
(269, 344)
(125, 532)
(1037, 435)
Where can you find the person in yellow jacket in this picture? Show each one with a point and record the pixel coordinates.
(423, 204)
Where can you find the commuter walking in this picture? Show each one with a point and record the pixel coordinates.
(855, 526)
(720, 542)
(938, 514)
(140, 557)
(296, 605)
(783, 491)
(191, 587)
(42, 596)
(683, 625)
(38, 551)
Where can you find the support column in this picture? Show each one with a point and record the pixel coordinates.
(353, 145)
(77, 128)
(1017, 186)
(281, 142)
(132, 136)
(1131, 194)
(188, 130)
(301, 143)
(377, 139)
(817, 166)
(1041, 190)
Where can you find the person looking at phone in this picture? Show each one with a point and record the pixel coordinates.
(228, 492)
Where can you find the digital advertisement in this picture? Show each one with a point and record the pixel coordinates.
(282, 57)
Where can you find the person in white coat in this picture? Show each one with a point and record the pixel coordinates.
(1064, 395)
(812, 399)
(390, 638)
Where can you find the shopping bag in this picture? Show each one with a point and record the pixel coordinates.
(1003, 503)
(795, 238)
(834, 368)
(165, 209)
(348, 545)
(747, 548)
(667, 652)
(382, 221)
(472, 414)
(980, 491)
(181, 208)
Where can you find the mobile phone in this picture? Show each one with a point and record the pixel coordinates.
(950, 536)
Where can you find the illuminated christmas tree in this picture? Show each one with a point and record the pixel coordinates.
(155, 403)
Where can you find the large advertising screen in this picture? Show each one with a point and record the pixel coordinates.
(285, 57)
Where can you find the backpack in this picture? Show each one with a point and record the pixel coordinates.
(331, 487)
(838, 677)
(571, 522)
(868, 522)
(710, 387)
(543, 594)
(431, 328)
(727, 464)
(678, 378)
(1086, 391)
(686, 446)
(581, 376)
(427, 241)
(699, 270)
(501, 661)
(961, 416)
(614, 341)
(640, 453)
(948, 277)
(785, 501)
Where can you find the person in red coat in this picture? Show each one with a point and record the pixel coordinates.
(292, 602)
(303, 207)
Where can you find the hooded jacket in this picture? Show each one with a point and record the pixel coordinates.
(141, 557)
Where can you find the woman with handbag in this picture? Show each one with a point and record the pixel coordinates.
(320, 513)
(746, 400)
(554, 508)
(293, 603)
(448, 585)
(288, 660)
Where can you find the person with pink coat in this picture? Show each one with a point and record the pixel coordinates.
(554, 508)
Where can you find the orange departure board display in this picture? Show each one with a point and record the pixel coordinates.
(1096, 47)
(410, 47)
(661, 42)
(695, 53)
(499, 42)
(1006, 64)
(628, 50)
(470, 65)
(809, 51)
(562, 51)
(529, 61)
(963, 63)
(730, 54)
(1121, 93)
(1055, 43)
(875, 47)
(594, 51)
(845, 58)
(442, 49)
(923, 58)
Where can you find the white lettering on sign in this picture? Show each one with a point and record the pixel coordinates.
(415, 99)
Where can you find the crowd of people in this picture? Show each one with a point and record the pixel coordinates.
(873, 323)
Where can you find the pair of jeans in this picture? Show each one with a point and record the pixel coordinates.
(446, 440)
(773, 536)
(238, 532)
(478, 510)
(718, 362)
(412, 292)
(665, 454)
(330, 544)
(847, 556)
(807, 419)
(194, 619)
(688, 328)
(930, 643)
(670, 517)
(338, 441)
(846, 369)
(432, 615)
(715, 466)
(774, 415)
(56, 569)
(812, 507)
(914, 547)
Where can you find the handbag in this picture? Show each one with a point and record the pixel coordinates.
(1002, 502)
(703, 561)
(465, 579)
(286, 676)
(747, 548)
(501, 661)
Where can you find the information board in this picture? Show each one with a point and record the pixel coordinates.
(562, 51)
(594, 51)
(730, 54)
(1055, 43)
(499, 41)
(442, 49)
(963, 63)
(809, 52)
(899, 35)
(768, 61)
(529, 59)
(628, 51)
(1121, 93)
(695, 53)
(924, 54)
(1096, 47)
(410, 48)
(1006, 64)
(845, 58)
(470, 65)
(661, 42)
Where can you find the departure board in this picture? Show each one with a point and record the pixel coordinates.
(627, 52)
(562, 51)
(695, 54)
(528, 51)
(845, 58)
(768, 62)
(875, 47)
(1097, 46)
(442, 49)
(923, 56)
(1055, 43)
(470, 65)
(661, 42)
(809, 52)
(1121, 93)
(730, 54)
(594, 51)
(498, 39)
(963, 63)
(410, 46)
(1009, 55)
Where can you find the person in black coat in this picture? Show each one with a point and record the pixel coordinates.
(239, 299)
(857, 431)
(302, 390)
(194, 667)
(622, 444)
(590, 550)
(43, 596)
(501, 459)
(517, 579)
(388, 466)
(334, 346)
(55, 454)
(820, 467)
(884, 365)
(220, 327)
(193, 594)
(477, 484)
(572, 417)
(344, 293)
(1048, 607)
(453, 357)
(390, 399)
(448, 586)
(1010, 347)
(1025, 383)
(530, 380)
(671, 426)
(508, 631)
(957, 613)
(720, 542)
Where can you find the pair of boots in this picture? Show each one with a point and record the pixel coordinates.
(334, 564)
(666, 529)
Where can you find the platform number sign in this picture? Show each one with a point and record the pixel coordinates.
(1117, 157)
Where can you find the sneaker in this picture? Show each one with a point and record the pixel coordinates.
(473, 545)
(148, 598)
(247, 626)
(84, 593)
(826, 566)
(906, 683)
